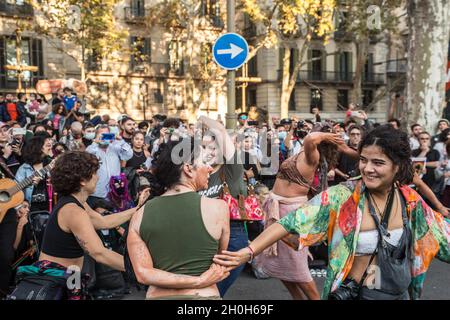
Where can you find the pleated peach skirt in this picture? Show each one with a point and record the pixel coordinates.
(288, 264)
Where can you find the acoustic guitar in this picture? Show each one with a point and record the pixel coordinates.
(11, 194)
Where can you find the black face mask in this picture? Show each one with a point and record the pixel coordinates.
(120, 190)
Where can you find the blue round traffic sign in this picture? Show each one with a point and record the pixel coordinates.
(230, 51)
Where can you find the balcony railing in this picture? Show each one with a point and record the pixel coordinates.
(176, 69)
(24, 10)
(135, 15)
(154, 70)
(342, 35)
(325, 76)
(337, 77)
(395, 67)
(373, 78)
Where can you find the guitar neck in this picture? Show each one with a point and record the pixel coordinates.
(26, 182)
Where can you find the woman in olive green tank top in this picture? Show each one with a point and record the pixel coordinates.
(173, 239)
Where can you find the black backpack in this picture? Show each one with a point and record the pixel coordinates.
(105, 282)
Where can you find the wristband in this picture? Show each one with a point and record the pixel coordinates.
(252, 254)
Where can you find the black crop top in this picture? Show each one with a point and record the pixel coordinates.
(57, 242)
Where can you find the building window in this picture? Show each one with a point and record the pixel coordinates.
(344, 66)
(368, 69)
(140, 51)
(158, 96)
(176, 63)
(175, 97)
(316, 65)
(138, 8)
(367, 97)
(211, 9)
(252, 97)
(291, 106)
(11, 58)
(206, 57)
(31, 56)
(253, 67)
(16, 8)
(342, 99)
(316, 99)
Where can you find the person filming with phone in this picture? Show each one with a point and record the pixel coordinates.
(110, 149)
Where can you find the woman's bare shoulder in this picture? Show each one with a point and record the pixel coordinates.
(217, 206)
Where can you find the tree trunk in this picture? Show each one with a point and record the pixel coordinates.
(361, 58)
(189, 80)
(83, 67)
(285, 94)
(427, 60)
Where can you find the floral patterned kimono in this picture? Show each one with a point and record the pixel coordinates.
(335, 216)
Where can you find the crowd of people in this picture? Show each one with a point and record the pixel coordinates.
(179, 208)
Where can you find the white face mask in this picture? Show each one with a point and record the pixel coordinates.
(282, 135)
(90, 135)
(114, 129)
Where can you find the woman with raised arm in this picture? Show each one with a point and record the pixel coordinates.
(299, 176)
(227, 168)
(375, 223)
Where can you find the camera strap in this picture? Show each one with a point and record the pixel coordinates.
(380, 226)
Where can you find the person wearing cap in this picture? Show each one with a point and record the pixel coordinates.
(286, 123)
(441, 126)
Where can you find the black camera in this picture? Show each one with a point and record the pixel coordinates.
(348, 290)
(300, 132)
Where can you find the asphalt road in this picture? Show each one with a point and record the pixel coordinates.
(247, 287)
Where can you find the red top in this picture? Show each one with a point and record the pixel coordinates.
(12, 111)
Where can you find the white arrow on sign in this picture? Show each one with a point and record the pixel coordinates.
(234, 50)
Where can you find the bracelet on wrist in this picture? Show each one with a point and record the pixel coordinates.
(252, 254)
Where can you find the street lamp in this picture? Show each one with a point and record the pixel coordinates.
(144, 93)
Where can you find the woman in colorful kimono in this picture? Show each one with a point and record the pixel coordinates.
(381, 234)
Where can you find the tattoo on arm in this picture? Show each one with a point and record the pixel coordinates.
(83, 245)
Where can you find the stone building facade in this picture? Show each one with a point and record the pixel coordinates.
(158, 81)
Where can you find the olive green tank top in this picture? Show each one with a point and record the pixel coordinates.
(174, 231)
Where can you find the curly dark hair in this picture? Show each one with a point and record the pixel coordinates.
(57, 106)
(32, 150)
(70, 169)
(395, 145)
(166, 172)
(171, 122)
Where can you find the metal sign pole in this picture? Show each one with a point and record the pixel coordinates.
(231, 117)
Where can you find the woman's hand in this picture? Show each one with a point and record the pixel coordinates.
(143, 197)
(36, 180)
(232, 260)
(7, 151)
(443, 210)
(214, 274)
(23, 220)
(334, 138)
